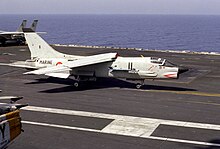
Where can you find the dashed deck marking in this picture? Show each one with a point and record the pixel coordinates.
(189, 93)
(100, 131)
(196, 102)
(125, 125)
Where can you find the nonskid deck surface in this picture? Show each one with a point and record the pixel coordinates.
(111, 113)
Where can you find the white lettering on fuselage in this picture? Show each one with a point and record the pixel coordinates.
(45, 62)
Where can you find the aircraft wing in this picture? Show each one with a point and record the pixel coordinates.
(60, 70)
(10, 97)
(17, 33)
(54, 71)
(9, 33)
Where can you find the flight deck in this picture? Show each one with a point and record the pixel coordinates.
(112, 113)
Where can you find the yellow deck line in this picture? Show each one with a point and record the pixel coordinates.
(196, 93)
(205, 103)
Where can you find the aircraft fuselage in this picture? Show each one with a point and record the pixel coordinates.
(122, 67)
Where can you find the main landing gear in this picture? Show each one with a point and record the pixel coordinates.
(139, 85)
(80, 79)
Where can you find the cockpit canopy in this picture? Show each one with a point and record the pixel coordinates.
(156, 60)
(162, 62)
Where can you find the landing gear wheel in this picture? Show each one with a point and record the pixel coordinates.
(76, 84)
(138, 86)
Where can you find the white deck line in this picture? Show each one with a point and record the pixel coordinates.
(123, 118)
(99, 131)
(125, 125)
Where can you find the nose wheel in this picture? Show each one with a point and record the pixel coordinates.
(76, 84)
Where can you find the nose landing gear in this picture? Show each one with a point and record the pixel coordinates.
(76, 84)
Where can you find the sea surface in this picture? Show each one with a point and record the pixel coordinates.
(161, 32)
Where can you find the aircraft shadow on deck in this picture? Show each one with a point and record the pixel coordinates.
(99, 84)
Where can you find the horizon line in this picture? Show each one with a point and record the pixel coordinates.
(105, 14)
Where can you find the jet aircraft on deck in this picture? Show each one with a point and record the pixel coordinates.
(47, 61)
(17, 37)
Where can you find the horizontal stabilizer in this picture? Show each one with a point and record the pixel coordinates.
(20, 64)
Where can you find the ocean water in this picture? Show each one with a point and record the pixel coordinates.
(161, 32)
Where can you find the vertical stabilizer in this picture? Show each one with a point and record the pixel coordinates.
(34, 25)
(40, 48)
(23, 25)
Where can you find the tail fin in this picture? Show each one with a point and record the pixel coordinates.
(34, 25)
(40, 48)
(23, 25)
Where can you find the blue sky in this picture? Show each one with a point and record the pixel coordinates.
(198, 7)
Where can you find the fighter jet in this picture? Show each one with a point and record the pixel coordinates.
(10, 120)
(17, 37)
(47, 61)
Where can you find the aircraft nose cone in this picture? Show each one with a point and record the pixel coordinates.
(182, 70)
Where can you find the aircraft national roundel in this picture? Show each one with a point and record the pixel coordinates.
(59, 63)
